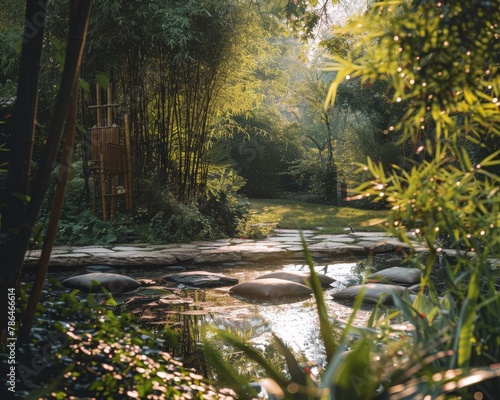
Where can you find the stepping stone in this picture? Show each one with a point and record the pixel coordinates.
(93, 282)
(397, 275)
(270, 288)
(297, 276)
(372, 292)
(202, 279)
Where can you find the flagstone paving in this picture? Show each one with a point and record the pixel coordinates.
(282, 244)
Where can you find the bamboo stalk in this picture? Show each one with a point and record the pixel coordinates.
(113, 183)
(110, 109)
(98, 104)
(103, 187)
(94, 183)
(128, 175)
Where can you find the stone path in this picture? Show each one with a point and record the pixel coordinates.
(282, 244)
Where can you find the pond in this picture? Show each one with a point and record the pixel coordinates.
(294, 320)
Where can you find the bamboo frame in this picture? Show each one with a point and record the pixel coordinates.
(128, 175)
(103, 187)
(109, 109)
(98, 104)
(110, 172)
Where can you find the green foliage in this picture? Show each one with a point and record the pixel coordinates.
(185, 224)
(158, 219)
(86, 229)
(262, 152)
(10, 45)
(78, 225)
(335, 138)
(161, 218)
(441, 61)
(225, 209)
(81, 347)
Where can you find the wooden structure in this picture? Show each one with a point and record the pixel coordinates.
(110, 163)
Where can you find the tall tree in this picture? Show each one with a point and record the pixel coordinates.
(16, 190)
(19, 215)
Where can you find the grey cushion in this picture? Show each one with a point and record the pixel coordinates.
(202, 279)
(398, 275)
(270, 288)
(373, 292)
(115, 283)
(297, 276)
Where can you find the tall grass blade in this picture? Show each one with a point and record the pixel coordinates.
(326, 329)
(253, 354)
(294, 369)
(465, 324)
(228, 375)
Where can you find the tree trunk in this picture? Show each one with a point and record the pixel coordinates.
(55, 214)
(16, 190)
(16, 248)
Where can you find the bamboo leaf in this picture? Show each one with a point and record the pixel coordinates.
(490, 160)
(102, 80)
(465, 324)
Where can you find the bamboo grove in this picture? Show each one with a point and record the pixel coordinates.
(181, 82)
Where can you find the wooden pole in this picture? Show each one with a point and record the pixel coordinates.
(103, 187)
(112, 179)
(94, 183)
(110, 109)
(128, 175)
(98, 103)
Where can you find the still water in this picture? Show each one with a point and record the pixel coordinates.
(294, 320)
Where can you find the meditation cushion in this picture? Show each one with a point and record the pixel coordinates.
(373, 292)
(397, 275)
(270, 288)
(202, 279)
(115, 283)
(297, 276)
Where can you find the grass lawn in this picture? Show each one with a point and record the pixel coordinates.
(300, 215)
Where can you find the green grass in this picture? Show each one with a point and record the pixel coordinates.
(291, 214)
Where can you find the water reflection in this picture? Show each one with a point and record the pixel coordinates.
(293, 319)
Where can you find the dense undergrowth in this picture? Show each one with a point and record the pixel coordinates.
(84, 346)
